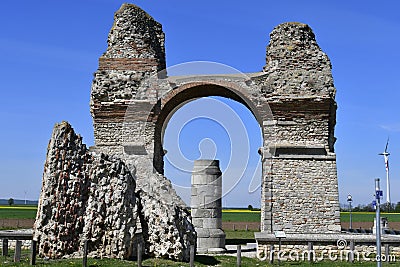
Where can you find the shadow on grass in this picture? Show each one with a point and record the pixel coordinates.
(206, 260)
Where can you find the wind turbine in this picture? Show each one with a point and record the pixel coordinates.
(385, 155)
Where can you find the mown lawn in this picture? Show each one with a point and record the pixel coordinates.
(199, 261)
(239, 234)
(229, 215)
(255, 216)
(18, 212)
(29, 212)
(368, 216)
(241, 216)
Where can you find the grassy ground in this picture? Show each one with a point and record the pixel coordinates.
(199, 261)
(18, 212)
(239, 234)
(239, 237)
(232, 238)
(241, 216)
(368, 216)
(228, 215)
(255, 216)
(29, 212)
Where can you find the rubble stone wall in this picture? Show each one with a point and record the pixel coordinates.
(295, 64)
(91, 196)
(84, 196)
(307, 188)
(293, 99)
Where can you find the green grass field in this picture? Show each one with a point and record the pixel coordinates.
(239, 234)
(232, 238)
(18, 212)
(368, 216)
(254, 216)
(29, 212)
(200, 261)
(241, 216)
(239, 237)
(237, 215)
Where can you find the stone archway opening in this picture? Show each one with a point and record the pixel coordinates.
(215, 128)
(188, 93)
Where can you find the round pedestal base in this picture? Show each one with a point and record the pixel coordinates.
(210, 240)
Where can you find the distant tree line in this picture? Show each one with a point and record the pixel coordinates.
(250, 207)
(392, 208)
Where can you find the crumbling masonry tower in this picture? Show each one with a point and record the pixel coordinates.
(292, 98)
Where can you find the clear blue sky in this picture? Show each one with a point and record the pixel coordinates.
(50, 50)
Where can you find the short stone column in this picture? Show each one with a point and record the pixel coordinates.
(206, 206)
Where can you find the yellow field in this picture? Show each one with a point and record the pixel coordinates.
(241, 211)
(19, 207)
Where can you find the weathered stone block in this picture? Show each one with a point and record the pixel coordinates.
(90, 196)
(73, 207)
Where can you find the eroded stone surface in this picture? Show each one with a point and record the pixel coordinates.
(166, 227)
(84, 196)
(90, 196)
(292, 98)
(295, 64)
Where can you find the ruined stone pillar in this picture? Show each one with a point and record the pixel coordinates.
(207, 206)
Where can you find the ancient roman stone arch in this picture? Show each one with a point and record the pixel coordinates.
(230, 86)
(293, 99)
